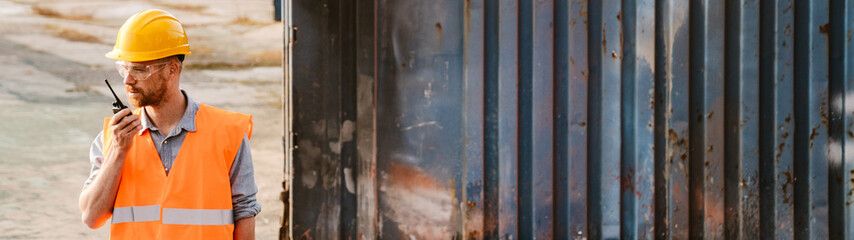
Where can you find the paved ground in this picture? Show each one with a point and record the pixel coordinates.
(52, 99)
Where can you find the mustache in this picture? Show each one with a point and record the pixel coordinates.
(131, 89)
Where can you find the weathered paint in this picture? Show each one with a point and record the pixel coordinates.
(569, 119)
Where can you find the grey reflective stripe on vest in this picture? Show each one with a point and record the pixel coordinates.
(136, 214)
(198, 216)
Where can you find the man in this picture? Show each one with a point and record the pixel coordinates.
(174, 168)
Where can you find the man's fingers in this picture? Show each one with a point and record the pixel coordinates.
(134, 127)
(125, 123)
(132, 120)
(118, 116)
(129, 130)
(137, 128)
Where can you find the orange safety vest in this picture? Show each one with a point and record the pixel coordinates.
(194, 200)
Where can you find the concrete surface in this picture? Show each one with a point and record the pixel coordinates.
(52, 99)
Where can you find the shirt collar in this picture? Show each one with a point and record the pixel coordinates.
(188, 121)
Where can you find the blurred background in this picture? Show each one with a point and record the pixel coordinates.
(53, 99)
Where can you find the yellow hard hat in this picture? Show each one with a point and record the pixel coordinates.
(149, 35)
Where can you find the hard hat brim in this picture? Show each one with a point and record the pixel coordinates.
(120, 55)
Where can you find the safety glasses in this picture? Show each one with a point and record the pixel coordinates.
(138, 71)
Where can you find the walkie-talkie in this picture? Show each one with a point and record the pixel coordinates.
(117, 105)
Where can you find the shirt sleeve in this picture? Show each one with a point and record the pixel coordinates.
(96, 157)
(243, 188)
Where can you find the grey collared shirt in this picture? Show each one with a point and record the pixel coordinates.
(243, 188)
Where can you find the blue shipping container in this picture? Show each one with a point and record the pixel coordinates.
(569, 119)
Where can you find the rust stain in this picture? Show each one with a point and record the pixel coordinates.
(614, 55)
(627, 183)
(712, 113)
(306, 235)
(850, 135)
(583, 124)
(851, 189)
(412, 178)
(823, 110)
(824, 29)
(788, 118)
(652, 103)
(468, 9)
(620, 16)
(572, 61)
(851, 176)
(785, 135)
(420, 204)
(604, 37)
(812, 136)
(474, 235)
(439, 32)
(850, 35)
(471, 204)
(677, 187)
(785, 187)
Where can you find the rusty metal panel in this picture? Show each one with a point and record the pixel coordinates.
(811, 116)
(638, 106)
(571, 119)
(571, 152)
(317, 122)
(672, 119)
(541, 109)
(419, 119)
(741, 108)
(776, 118)
(604, 50)
(473, 115)
(840, 123)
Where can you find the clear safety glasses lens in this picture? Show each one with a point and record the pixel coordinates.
(138, 71)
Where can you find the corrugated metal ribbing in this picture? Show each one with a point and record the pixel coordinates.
(776, 119)
(776, 115)
(841, 119)
(810, 116)
(573, 119)
(742, 103)
(637, 114)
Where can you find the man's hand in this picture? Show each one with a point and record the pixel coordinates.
(123, 126)
(98, 198)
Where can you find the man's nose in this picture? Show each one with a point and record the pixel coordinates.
(129, 80)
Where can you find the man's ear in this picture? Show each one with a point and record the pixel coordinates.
(174, 67)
